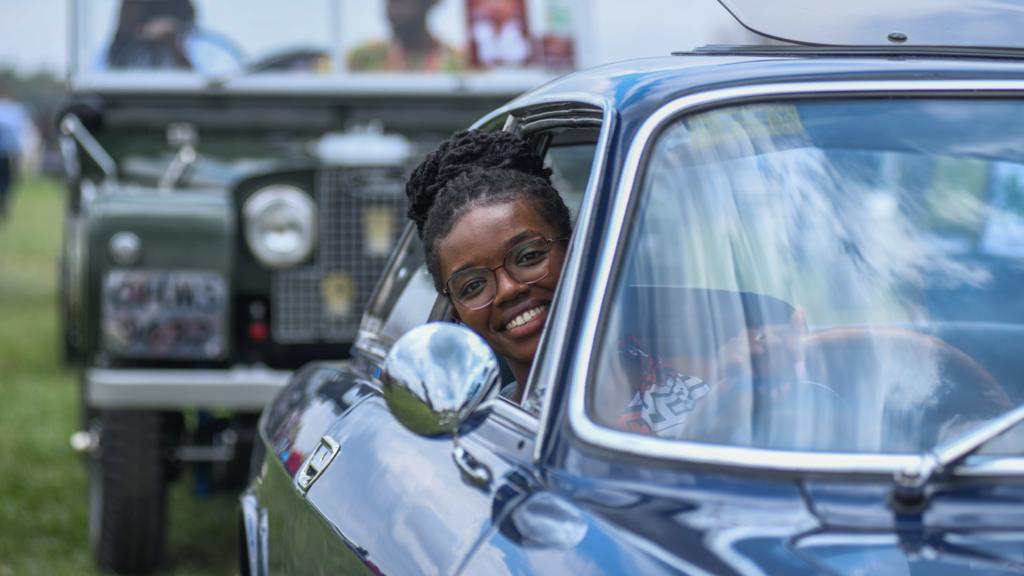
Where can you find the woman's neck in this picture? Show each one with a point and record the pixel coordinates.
(521, 372)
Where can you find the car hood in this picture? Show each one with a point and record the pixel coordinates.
(722, 525)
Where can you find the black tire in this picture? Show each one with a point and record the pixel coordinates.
(69, 348)
(128, 493)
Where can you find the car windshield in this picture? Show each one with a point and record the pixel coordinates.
(826, 275)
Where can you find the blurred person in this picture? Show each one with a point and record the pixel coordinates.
(498, 30)
(15, 126)
(413, 47)
(164, 34)
(151, 34)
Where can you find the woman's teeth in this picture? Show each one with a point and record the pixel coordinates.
(525, 317)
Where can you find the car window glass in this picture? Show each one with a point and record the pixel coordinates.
(401, 288)
(821, 275)
(412, 307)
(570, 155)
(570, 171)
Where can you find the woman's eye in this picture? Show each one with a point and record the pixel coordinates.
(472, 287)
(531, 257)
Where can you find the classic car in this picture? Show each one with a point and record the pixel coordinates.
(223, 228)
(844, 208)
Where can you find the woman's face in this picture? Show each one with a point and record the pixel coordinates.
(513, 322)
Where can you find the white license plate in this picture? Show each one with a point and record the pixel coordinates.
(164, 314)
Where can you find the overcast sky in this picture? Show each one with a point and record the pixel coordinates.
(34, 33)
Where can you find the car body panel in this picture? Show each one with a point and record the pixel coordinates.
(408, 482)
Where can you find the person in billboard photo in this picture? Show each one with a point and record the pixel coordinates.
(413, 46)
(499, 33)
(165, 34)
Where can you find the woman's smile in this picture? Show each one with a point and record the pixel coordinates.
(526, 323)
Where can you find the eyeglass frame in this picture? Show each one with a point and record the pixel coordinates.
(494, 272)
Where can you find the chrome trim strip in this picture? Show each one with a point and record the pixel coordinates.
(239, 387)
(709, 454)
(512, 414)
(990, 467)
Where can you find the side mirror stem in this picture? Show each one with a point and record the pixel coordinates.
(71, 126)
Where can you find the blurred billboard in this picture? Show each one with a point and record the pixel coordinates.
(519, 40)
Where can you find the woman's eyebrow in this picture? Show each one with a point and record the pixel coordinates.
(511, 242)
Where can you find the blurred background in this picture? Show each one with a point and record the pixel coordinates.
(52, 49)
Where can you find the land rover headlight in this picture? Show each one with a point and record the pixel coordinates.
(280, 226)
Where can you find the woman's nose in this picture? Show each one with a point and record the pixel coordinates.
(507, 288)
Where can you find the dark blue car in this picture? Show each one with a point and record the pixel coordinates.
(788, 338)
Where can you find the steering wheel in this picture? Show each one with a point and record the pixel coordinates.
(916, 384)
(787, 415)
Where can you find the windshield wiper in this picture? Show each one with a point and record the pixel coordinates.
(912, 481)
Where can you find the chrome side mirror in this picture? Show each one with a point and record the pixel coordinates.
(435, 376)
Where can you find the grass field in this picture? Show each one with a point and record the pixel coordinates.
(42, 482)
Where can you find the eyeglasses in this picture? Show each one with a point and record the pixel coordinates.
(527, 262)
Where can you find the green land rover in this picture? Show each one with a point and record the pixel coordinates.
(228, 216)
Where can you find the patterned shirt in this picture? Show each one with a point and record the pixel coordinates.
(665, 397)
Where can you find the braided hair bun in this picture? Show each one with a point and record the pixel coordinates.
(465, 152)
(472, 169)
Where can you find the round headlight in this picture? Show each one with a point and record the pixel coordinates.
(280, 226)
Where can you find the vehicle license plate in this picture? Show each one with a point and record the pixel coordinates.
(164, 314)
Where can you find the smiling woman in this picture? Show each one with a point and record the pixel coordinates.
(493, 228)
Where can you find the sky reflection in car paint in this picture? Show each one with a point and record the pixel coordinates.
(432, 518)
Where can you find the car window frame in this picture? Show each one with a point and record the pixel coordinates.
(558, 111)
(627, 190)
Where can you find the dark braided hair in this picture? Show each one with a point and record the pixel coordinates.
(476, 168)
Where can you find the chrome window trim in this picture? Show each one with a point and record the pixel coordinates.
(513, 416)
(747, 459)
(525, 102)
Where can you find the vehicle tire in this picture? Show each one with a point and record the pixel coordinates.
(69, 344)
(128, 492)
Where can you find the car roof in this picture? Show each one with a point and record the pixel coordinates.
(635, 88)
(964, 23)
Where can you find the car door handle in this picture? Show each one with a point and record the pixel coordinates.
(472, 469)
(316, 463)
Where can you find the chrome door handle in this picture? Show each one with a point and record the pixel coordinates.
(472, 469)
(316, 463)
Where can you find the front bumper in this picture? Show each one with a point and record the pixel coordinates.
(239, 388)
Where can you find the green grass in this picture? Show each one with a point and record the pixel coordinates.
(43, 488)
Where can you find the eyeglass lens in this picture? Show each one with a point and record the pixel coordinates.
(526, 263)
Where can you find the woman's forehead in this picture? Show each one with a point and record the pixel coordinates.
(483, 234)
